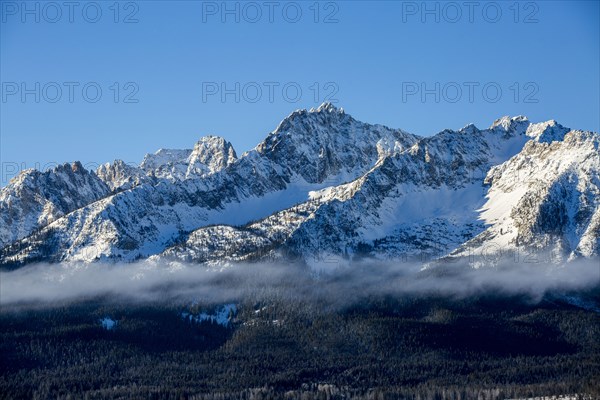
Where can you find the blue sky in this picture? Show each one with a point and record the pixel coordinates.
(161, 68)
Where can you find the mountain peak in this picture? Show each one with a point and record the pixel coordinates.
(77, 167)
(328, 107)
(119, 175)
(547, 132)
(507, 121)
(469, 129)
(210, 154)
(303, 119)
(511, 126)
(163, 157)
(211, 139)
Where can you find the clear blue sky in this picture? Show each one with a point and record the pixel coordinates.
(375, 56)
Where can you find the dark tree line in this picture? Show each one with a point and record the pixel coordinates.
(409, 348)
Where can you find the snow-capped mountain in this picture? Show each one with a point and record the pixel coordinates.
(419, 203)
(309, 150)
(209, 155)
(33, 199)
(324, 187)
(122, 176)
(545, 198)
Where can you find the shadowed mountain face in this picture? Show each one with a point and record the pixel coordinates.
(322, 186)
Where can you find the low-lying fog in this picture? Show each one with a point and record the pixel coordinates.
(46, 284)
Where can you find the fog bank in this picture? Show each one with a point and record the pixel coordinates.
(46, 284)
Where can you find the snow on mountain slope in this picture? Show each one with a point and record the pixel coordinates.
(166, 162)
(33, 199)
(422, 202)
(256, 240)
(329, 144)
(321, 187)
(547, 132)
(280, 172)
(210, 154)
(418, 203)
(121, 176)
(545, 198)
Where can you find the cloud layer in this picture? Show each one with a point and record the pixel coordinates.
(45, 284)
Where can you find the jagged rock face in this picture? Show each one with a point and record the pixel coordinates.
(255, 241)
(545, 198)
(33, 199)
(416, 204)
(121, 176)
(324, 186)
(166, 163)
(147, 218)
(321, 144)
(547, 132)
(210, 154)
(510, 125)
